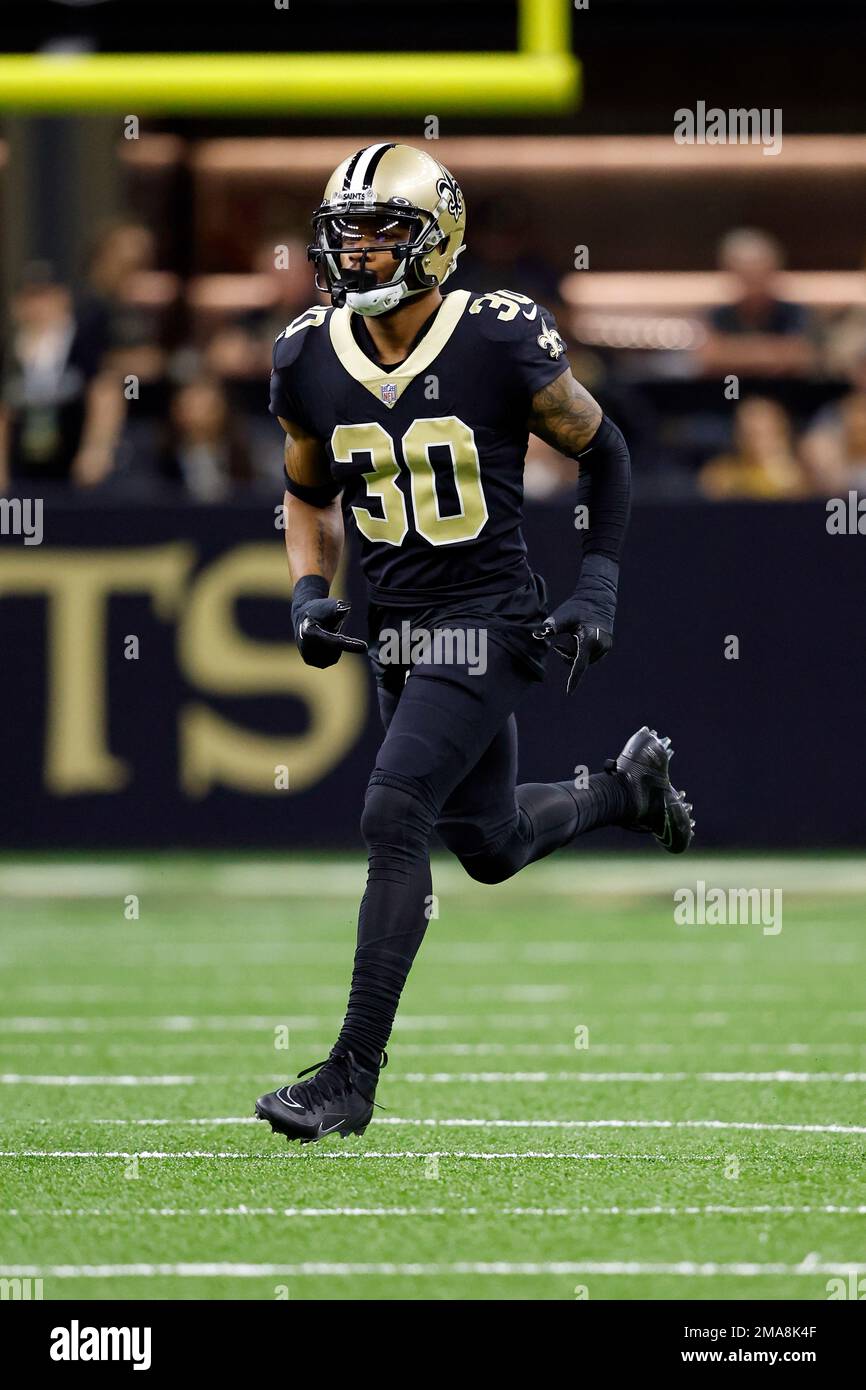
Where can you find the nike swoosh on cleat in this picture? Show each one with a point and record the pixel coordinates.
(287, 1100)
(330, 1127)
(667, 835)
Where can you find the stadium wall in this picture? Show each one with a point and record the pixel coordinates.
(151, 697)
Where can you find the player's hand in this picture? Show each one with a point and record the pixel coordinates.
(318, 635)
(580, 644)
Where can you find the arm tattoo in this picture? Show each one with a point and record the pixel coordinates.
(320, 546)
(565, 415)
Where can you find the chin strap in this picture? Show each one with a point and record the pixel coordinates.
(369, 303)
(373, 302)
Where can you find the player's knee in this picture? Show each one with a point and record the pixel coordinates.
(489, 852)
(395, 816)
(466, 841)
(489, 868)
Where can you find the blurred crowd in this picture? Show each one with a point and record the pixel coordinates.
(136, 382)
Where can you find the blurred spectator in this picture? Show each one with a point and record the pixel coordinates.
(205, 451)
(758, 334)
(110, 304)
(244, 347)
(834, 446)
(845, 341)
(61, 411)
(763, 463)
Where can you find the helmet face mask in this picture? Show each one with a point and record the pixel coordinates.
(343, 235)
(354, 229)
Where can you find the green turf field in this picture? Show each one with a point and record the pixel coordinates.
(708, 1143)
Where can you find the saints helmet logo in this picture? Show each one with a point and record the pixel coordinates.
(448, 188)
(550, 341)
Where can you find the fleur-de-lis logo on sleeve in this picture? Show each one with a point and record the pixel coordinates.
(550, 341)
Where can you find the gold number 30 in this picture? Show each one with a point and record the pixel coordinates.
(392, 526)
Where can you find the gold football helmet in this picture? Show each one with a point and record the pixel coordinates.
(389, 188)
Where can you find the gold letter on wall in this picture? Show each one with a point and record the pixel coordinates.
(218, 657)
(78, 584)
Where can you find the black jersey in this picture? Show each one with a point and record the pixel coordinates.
(428, 454)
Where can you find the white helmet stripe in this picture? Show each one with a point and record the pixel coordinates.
(367, 165)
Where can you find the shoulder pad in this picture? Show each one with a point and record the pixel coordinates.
(505, 315)
(289, 343)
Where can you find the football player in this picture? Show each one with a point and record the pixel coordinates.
(409, 412)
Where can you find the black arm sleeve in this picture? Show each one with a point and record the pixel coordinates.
(604, 487)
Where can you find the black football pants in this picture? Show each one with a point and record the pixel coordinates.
(449, 763)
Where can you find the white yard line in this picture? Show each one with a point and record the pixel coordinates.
(610, 1077)
(624, 1124)
(353, 1154)
(28, 949)
(686, 1268)
(615, 995)
(128, 1025)
(214, 1046)
(466, 1123)
(17, 1079)
(305, 1213)
(452, 1078)
(161, 1023)
(579, 875)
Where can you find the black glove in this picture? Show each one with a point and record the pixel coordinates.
(317, 620)
(583, 625)
(577, 642)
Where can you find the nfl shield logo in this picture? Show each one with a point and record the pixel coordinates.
(388, 390)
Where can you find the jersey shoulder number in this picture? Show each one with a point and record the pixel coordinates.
(509, 317)
(504, 305)
(290, 343)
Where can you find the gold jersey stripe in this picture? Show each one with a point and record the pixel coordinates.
(371, 374)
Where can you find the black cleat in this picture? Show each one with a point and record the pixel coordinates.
(338, 1100)
(657, 809)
